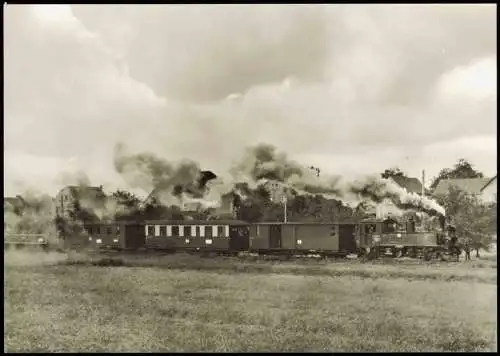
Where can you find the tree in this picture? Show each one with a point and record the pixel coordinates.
(472, 219)
(462, 169)
(392, 172)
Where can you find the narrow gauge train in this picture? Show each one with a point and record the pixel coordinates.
(371, 238)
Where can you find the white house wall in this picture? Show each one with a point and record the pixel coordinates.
(489, 194)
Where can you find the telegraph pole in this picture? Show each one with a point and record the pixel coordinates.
(284, 199)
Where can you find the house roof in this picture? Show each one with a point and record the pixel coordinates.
(469, 185)
(16, 201)
(490, 181)
(412, 185)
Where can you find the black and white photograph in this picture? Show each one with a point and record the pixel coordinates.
(250, 178)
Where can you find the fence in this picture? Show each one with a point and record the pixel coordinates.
(25, 239)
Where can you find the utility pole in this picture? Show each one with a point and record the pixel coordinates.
(423, 182)
(284, 199)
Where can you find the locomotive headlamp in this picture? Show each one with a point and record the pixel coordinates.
(208, 241)
(115, 240)
(187, 241)
(99, 241)
(398, 235)
(41, 239)
(299, 242)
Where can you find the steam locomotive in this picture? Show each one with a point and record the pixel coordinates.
(370, 238)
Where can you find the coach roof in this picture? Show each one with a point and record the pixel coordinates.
(195, 222)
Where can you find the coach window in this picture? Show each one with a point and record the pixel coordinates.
(163, 231)
(202, 230)
(89, 229)
(220, 231)
(98, 230)
(175, 230)
(118, 230)
(187, 230)
(208, 231)
(151, 230)
(109, 231)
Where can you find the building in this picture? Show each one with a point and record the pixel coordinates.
(15, 204)
(71, 197)
(488, 193)
(472, 186)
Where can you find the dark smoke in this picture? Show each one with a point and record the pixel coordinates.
(164, 179)
(264, 163)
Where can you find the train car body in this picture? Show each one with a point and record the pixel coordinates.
(296, 237)
(117, 235)
(189, 235)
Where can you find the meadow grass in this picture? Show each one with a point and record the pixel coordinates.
(184, 303)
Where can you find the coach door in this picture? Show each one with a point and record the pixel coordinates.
(347, 238)
(275, 236)
(239, 238)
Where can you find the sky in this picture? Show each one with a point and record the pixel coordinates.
(353, 89)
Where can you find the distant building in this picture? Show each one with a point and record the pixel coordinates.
(71, 197)
(15, 204)
(472, 186)
(489, 193)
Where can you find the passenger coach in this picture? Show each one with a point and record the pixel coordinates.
(215, 235)
(300, 237)
(120, 235)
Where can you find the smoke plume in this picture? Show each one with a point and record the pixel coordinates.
(378, 190)
(29, 213)
(263, 163)
(170, 183)
(262, 168)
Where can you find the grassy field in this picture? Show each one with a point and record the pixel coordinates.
(184, 303)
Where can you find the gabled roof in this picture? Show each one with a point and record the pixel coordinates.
(412, 185)
(490, 181)
(469, 185)
(16, 201)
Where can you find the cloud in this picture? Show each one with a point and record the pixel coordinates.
(356, 83)
(75, 96)
(478, 81)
